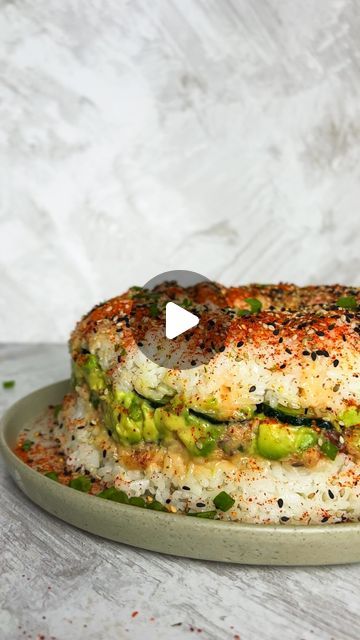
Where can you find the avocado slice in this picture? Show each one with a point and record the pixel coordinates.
(91, 372)
(199, 436)
(275, 441)
(350, 417)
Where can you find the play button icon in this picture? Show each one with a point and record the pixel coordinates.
(178, 320)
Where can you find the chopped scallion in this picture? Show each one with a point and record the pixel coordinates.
(81, 483)
(223, 501)
(347, 302)
(8, 384)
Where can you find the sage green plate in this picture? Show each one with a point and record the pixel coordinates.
(165, 532)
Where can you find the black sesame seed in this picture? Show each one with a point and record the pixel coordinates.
(276, 332)
(306, 352)
(284, 518)
(288, 350)
(252, 388)
(331, 327)
(104, 453)
(313, 355)
(200, 504)
(280, 503)
(320, 333)
(168, 500)
(222, 348)
(282, 366)
(240, 344)
(186, 488)
(281, 340)
(331, 495)
(193, 363)
(336, 362)
(325, 519)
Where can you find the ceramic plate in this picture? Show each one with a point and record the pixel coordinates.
(165, 532)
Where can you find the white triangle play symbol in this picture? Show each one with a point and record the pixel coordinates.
(178, 320)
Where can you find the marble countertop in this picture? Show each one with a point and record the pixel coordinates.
(139, 137)
(57, 582)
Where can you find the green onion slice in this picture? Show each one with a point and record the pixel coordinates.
(81, 483)
(52, 475)
(329, 449)
(8, 384)
(254, 304)
(137, 502)
(223, 501)
(347, 302)
(114, 494)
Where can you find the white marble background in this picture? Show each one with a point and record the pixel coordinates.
(139, 136)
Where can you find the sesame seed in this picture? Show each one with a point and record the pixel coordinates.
(325, 519)
(193, 363)
(288, 350)
(306, 352)
(282, 366)
(331, 495)
(280, 503)
(252, 388)
(240, 344)
(336, 362)
(186, 488)
(313, 356)
(284, 518)
(200, 504)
